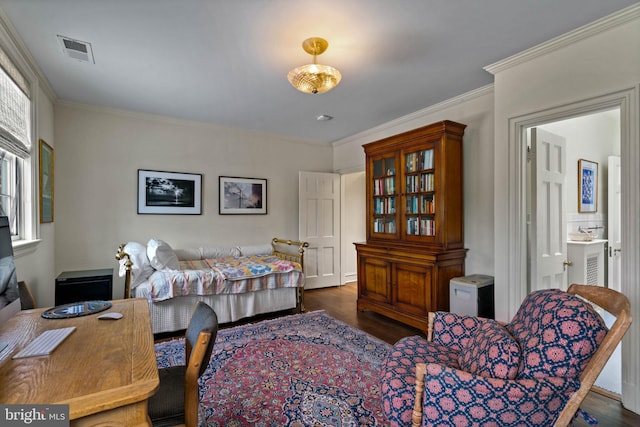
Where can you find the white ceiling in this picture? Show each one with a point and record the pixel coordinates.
(226, 61)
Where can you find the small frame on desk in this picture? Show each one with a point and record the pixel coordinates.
(243, 196)
(169, 193)
(587, 186)
(46, 182)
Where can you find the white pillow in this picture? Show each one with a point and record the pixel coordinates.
(161, 256)
(141, 269)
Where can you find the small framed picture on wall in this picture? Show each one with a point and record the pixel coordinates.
(243, 196)
(46, 182)
(587, 186)
(167, 193)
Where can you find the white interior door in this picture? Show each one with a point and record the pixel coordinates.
(614, 219)
(548, 237)
(611, 376)
(319, 225)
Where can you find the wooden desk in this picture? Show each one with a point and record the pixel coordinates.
(105, 370)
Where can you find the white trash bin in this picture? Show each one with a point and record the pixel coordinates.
(472, 295)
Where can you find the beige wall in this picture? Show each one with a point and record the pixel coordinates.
(352, 224)
(98, 153)
(474, 109)
(35, 262)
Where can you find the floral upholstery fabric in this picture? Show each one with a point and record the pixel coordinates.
(454, 330)
(558, 329)
(457, 398)
(491, 353)
(399, 380)
(558, 333)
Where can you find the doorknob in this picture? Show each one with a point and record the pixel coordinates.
(566, 264)
(615, 251)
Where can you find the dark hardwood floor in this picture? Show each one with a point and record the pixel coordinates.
(340, 302)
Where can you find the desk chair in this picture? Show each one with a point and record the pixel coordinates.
(27, 301)
(176, 401)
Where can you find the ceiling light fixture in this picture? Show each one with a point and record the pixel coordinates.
(314, 78)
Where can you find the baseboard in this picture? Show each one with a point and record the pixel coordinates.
(606, 393)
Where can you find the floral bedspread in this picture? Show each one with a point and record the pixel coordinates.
(233, 275)
(251, 266)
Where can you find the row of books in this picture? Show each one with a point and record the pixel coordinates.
(384, 186)
(422, 182)
(382, 226)
(419, 160)
(421, 227)
(384, 205)
(420, 204)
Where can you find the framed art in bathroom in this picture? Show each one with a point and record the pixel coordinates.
(587, 186)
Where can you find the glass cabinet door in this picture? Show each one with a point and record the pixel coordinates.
(419, 190)
(385, 197)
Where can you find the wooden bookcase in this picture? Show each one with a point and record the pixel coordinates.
(415, 223)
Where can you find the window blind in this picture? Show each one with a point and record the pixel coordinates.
(14, 110)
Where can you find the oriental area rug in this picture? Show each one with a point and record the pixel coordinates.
(300, 370)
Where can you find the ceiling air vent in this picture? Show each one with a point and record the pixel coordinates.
(77, 49)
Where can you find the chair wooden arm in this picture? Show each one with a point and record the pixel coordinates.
(27, 301)
(616, 304)
(432, 318)
(421, 372)
(416, 418)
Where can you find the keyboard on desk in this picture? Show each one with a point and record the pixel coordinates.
(45, 343)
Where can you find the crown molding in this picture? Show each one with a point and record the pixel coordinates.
(392, 126)
(175, 121)
(596, 27)
(10, 30)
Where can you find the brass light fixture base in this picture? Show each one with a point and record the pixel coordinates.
(315, 45)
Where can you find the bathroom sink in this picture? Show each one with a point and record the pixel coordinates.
(581, 237)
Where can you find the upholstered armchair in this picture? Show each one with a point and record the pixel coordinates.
(533, 371)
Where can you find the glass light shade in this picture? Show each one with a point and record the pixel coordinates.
(314, 78)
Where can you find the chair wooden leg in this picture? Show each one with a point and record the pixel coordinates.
(416, 418)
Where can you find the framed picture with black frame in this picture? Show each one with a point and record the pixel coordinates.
(243, 196)
(169, 193)
(587, 186)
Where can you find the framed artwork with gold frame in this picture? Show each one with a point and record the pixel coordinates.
(46, 182)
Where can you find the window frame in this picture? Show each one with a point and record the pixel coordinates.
(27, 211)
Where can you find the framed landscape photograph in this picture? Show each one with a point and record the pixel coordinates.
(46, 182)
(587, 186)
(169, 193)
(243, 196)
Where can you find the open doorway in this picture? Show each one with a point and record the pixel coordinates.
(591, 237)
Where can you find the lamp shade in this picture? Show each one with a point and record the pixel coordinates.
(314, 78)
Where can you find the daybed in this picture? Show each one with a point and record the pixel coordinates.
(237, 282)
